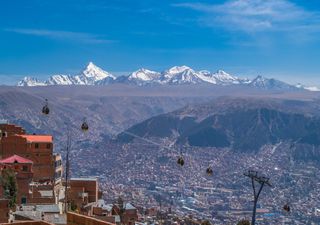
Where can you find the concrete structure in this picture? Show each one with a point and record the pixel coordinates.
(83, 191)
(111, 213)
(72, 219)
(28, 223)
(77, 219)
(58, 168)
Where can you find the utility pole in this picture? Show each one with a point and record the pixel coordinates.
(160, 211)
(67, 174)
(253, 175)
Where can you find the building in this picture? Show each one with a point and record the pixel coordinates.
(114, 214)
(37, 148)
(23, 170)
(129, 216)
(76, 219)
(58, 168)
(39, 176)
(4, 210)
(71, 219)
(81, 192)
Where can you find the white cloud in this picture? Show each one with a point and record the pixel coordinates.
(62, 35)
(256, 15)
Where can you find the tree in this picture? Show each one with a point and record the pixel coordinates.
(73, 206)
(244, 222)
(9, 184)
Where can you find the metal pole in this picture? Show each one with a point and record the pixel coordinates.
(67, 174)
(253, 175)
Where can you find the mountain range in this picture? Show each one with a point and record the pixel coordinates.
(93, 75)
(241, 124)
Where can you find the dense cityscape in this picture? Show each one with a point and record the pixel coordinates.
(149, 176)
(160, 112)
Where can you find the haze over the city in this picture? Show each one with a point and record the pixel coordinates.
(275, 38)
(148, 112)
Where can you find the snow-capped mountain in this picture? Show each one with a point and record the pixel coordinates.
(225, 78)
(180, 75)
(93, 75)
(144, 75)
(60, 80)
(270, 84)
(220, 77)
(31, 82)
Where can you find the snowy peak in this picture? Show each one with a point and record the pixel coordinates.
(224, 77)
(259, 81)
(177, 69)
(93, 75)
(180, 75)
(222, 73)
(144, 75)
(60, 80)
(270, 84)
(31, 82)
(94, 72)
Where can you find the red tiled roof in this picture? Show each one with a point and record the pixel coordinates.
(37, 138)
(15, 159)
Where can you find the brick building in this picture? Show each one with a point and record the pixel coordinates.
(111, 212)
(23, 170)
(83, 191)
(38, 149)
(4, 210)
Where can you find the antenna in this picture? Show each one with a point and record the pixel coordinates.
(262, 180)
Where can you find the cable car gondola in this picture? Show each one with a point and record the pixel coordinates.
(286, 208)
(84, 126)
(180, 161)
(45, 108)
(209, 171)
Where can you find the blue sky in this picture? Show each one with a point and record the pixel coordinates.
(274, 38)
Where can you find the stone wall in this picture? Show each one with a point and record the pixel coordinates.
(28, 223)
(77, 219)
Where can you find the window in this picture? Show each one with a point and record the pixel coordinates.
(23, 200)
(24, 168)
(48, 146)
(36, 145)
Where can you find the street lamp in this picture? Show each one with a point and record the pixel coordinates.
(262, 180)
